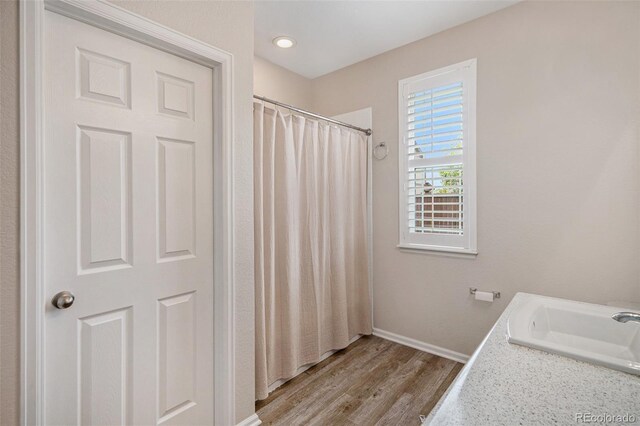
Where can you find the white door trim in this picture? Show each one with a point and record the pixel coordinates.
(112, 18)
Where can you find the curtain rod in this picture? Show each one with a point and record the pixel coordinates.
(311, 114)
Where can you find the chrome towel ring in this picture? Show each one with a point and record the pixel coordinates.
(381, 151)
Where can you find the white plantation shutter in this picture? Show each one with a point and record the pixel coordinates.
(437, 159)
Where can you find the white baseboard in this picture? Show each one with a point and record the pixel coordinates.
(253, 420)
(421, 346)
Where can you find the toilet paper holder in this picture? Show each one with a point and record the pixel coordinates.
(496, 294)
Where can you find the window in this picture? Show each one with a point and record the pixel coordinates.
(437, 159)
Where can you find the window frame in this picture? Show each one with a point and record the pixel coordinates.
(467, 243)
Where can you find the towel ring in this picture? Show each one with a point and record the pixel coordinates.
(381, 151)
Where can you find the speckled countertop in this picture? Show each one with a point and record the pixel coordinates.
(506, 384)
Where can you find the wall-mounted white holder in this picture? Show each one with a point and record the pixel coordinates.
(485, 296)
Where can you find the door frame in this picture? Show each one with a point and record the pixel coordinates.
(117, 20)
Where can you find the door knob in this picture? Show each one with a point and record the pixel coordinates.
(63, 300)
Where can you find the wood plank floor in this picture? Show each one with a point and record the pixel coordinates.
(372, 382)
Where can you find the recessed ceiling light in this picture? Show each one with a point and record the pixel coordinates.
(284, 42)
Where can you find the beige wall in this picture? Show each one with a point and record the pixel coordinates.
(227, 25)
(9, 215)
(280, 84)
(558, 165)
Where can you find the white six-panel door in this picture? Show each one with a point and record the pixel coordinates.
(128, 229)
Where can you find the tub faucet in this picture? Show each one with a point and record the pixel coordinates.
(626, 317)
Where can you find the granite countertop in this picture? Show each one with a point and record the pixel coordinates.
(507, 384)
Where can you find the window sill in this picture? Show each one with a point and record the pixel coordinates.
(420, 248)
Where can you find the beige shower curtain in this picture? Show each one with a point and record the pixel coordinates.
(312, 291)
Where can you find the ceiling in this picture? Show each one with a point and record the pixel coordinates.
(334, 34)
